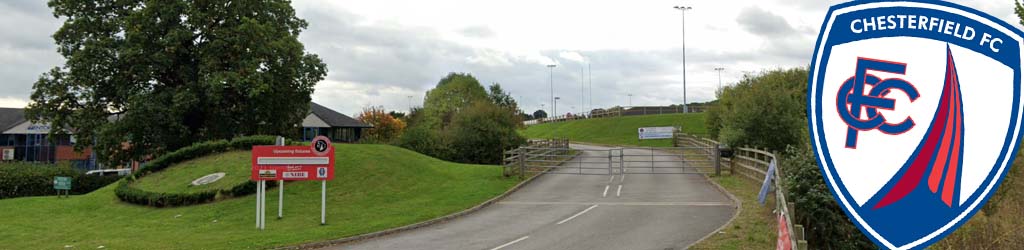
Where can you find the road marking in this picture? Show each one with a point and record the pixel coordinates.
(611, 179)
(605, 194)
(618, 192)
(678, 203)
(510, 243)
(621, 178)
(577, 214)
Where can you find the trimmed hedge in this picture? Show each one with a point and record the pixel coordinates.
(26, 179)
(130, 194)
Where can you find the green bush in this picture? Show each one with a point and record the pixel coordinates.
(481, 133)
(825, 224)
(27, 179)
(130, 194)
(764, 110)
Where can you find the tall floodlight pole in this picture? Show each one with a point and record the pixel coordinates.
(630, 99)
(719, 69)
(590, 87)
(410, 103)
(551, 80)
(554, 105)
(583, 89)
(683, 9)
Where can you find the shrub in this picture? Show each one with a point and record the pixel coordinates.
(825, 224)
(385, 126)
(764, 110)
(482, 131)
(26, 179)
(130, 194)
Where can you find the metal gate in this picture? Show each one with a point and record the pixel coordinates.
(558, 158)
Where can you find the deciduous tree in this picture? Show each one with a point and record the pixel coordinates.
(145, 77)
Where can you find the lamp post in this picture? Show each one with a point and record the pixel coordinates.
(683, 9)
(719, 69)
(554, 106)
(590, 87)
(551, 80)
(410, 103)
(583, 89)
(630, 99)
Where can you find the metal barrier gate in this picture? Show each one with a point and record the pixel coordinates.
(627, 160)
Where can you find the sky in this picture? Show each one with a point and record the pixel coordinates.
(389, 53)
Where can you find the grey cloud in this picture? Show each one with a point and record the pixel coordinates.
(26, 48)
(477, 32)
(763, 23)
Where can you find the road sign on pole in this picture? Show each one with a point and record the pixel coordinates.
(292, 163)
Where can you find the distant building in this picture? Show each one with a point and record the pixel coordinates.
(22, 140)
(336, 126)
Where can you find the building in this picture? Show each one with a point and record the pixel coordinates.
(336, 126)
(22, 140)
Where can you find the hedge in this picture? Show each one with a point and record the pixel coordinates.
(130, 194)
(26, 179)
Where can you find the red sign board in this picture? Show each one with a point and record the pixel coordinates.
(294, 163)
(784, 242)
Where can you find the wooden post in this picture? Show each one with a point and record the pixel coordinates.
(798, 230)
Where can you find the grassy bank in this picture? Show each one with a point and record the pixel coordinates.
(617, 130)
(753, 228)
(376, 187)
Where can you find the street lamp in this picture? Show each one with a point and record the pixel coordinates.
(551, 80)
(683, 9)
(719, 69)
(630, 99)
(410, 103)
(554, 106)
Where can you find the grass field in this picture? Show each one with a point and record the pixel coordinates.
(376, 187)
(753, 228)
(617, 130)
(235, 165)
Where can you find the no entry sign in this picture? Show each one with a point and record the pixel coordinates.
(294, 163)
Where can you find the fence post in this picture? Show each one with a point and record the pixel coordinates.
(718, 160)
(522, 165)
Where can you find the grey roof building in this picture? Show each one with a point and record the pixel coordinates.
(327, 122)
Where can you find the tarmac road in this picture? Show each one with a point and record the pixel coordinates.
(568, 211)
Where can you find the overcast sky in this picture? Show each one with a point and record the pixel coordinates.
(380, 52)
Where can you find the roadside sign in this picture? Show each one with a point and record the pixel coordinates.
(655, 132)
(293, 163)
(62, 183)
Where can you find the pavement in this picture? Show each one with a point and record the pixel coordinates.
(571, 211)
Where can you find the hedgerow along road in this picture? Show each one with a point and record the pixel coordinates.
(579, 205)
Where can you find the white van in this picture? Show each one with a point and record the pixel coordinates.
(108, 172)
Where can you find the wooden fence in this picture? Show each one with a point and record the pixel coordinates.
(549, 149)
(752, 163)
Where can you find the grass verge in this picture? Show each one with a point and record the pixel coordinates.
(617, 130)
(753, 228)
(178, 179)
(376, 187)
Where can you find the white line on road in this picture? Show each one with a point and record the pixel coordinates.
(611, 179)
(577, 214)
(669, 203)
(510, 243)
(621, 179)
(605, 194)
(618, 192)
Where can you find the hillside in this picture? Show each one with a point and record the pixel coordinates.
(376, 187)
(617, 130)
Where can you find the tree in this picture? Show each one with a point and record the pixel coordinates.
(540, 114)
(396, 114)
(145, 77)
(499, 97)
(385, 126)
(480, 133)
(453, 93)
